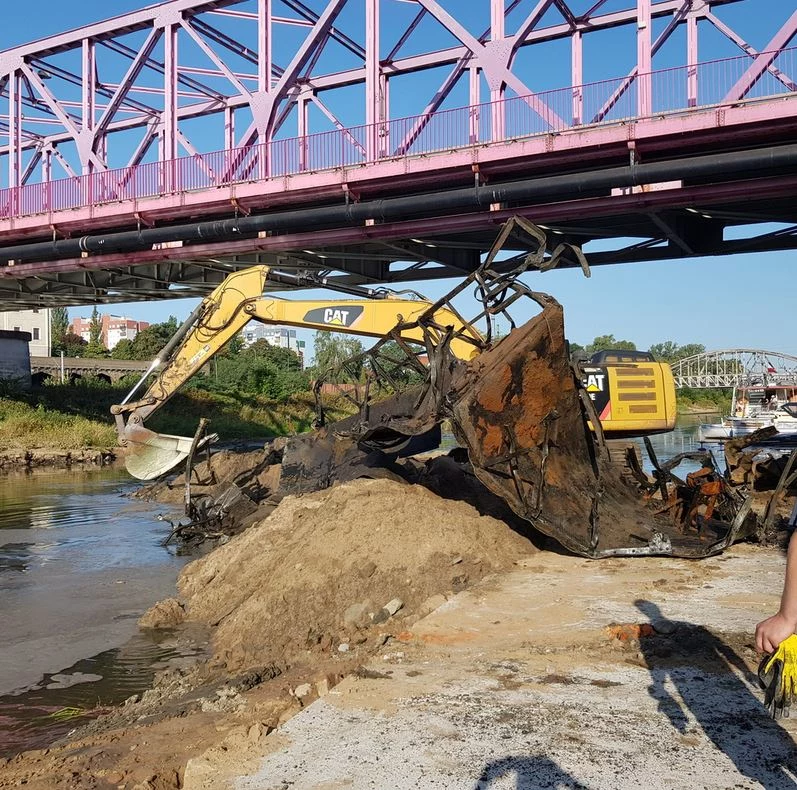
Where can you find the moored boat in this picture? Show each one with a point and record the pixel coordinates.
(753, 408)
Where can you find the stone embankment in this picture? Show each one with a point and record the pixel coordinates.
(16, 459)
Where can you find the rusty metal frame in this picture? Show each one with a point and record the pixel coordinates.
(496, 290)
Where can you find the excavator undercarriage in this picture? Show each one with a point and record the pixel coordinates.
(518, 406)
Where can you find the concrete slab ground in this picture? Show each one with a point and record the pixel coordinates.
(523, 683)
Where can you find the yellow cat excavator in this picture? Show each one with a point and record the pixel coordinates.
(531, 422)
(633, 395)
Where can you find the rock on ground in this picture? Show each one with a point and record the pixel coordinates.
(165, 614)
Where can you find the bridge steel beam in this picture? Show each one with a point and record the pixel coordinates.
(64, 92)
(436, 206)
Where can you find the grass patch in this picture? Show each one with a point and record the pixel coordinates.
(27, 427)
(76, 416)
(240, 416)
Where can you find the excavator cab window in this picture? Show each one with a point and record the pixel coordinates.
(620, 355)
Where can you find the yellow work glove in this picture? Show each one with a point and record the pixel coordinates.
(777, 674)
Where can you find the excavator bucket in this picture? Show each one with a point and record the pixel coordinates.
(522, 420)
(523, 415)
(521, 411)
(149, 455)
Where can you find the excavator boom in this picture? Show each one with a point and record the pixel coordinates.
(221, 316)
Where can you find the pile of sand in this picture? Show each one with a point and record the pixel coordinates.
(311, 575)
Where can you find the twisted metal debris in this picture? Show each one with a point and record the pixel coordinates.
(519, 408)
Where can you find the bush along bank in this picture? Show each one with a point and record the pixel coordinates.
(703, 401)
(66, 424)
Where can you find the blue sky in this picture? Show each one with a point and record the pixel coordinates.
(738, 301)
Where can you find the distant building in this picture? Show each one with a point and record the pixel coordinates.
(275, 335)
(36, 323)
(15, 357)
(114, 328)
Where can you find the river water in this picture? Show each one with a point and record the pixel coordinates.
(79, 563)
(683, 439)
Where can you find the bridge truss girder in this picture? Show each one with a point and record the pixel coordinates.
(735, 367)
(148, 77)
(427, 248)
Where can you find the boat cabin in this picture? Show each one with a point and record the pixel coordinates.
(753, 400)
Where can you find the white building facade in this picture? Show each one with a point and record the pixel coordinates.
(275, 335)
(37, 323)
(114, 328)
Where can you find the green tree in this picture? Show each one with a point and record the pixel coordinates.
(607, 342)
(333, 349)
(148, 342)
(670, 351)
(690, 350)
(261, 369)
(95, 346)
(233, 347)
(283, 358)
(123, 349)
(666, 351)
(59, 327)
(73, 345)
(401, 374)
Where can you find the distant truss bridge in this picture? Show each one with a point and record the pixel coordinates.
(734, 367)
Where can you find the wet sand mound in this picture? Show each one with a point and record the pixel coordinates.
(319, 570)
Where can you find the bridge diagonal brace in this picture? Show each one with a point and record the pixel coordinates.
(495, 64)
(670, 232)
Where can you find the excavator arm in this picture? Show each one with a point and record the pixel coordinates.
(222, 315)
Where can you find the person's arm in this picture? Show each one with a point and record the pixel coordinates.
(771, 632)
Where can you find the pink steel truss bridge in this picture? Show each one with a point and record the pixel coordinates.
(148, 155)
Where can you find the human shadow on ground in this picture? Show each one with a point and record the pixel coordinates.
(530, 773)
(715, 687)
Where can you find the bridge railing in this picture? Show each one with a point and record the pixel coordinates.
(723, 82)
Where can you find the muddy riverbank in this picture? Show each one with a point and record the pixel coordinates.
(20, 460)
